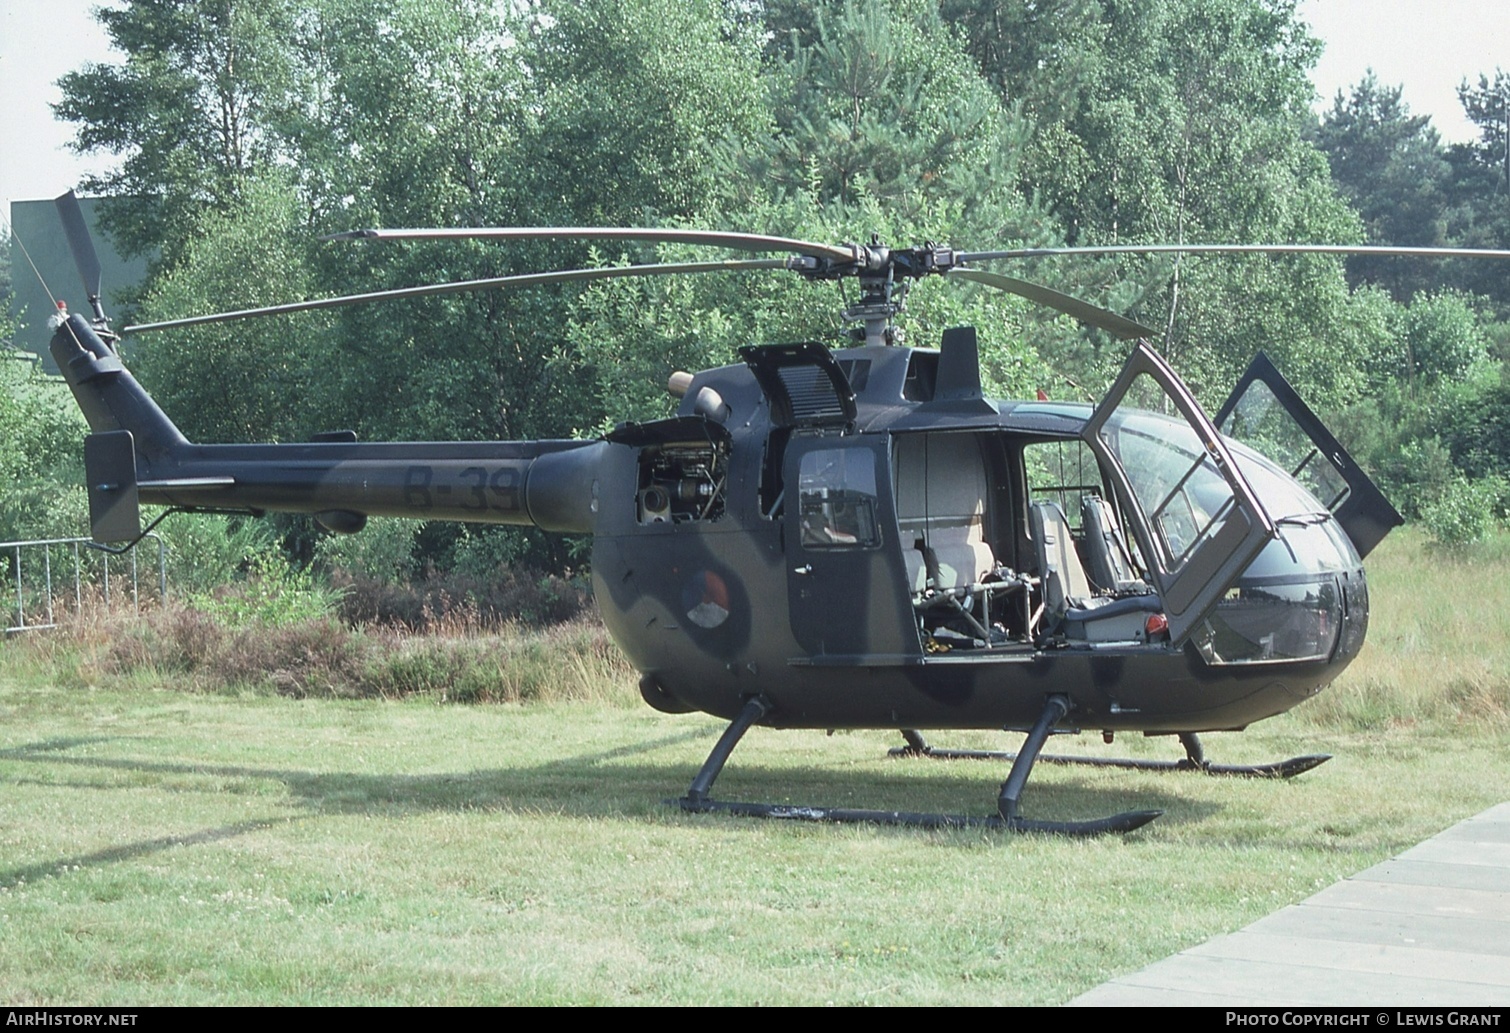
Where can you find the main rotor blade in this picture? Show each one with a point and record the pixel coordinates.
(79, 242)
(461, 286)
(1094, 315)
(754, 242)
(1237, 249)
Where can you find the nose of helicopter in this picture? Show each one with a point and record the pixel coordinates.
(1305, 597)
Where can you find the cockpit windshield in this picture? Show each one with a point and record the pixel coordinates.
(1287, 604)
(1164, 459)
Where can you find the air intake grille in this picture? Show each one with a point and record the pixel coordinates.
(805, 386)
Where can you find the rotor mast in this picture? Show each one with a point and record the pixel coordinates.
(880, 300)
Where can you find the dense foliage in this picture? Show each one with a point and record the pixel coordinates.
(1433, 422)
(248, 128)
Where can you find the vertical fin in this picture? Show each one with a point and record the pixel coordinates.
(108, 394)
(110, 468)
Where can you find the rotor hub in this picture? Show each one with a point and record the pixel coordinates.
(885, 274)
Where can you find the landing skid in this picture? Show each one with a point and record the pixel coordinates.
(1195, 759)
(698, 801)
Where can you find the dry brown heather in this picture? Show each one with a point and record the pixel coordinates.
(1438, 648)
(456, 660)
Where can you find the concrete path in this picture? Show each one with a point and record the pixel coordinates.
(1430, 927)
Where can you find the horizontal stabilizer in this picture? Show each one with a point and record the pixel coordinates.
(188, 483)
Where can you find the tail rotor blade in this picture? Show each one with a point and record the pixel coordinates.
(82, 246)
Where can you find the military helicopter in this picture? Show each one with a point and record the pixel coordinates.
(858, 538)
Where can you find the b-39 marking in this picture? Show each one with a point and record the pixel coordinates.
(484, 488)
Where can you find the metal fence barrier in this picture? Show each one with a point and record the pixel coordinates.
(33, 607)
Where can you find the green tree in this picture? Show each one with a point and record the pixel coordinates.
(194, 109)
(882, 124)
(626, 104)
(1487, 105)
(409, 117)
(249, 380)
(1162, 122)
(1186, 122)
(1443, 340)
(41, 436)
(1435, 412)
(601, 113)
(1040, 56)
(877, 101)
(1392, 168)
(1480, 186)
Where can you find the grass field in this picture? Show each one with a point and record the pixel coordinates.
(166, 847)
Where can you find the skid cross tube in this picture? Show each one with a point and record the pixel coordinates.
(1054, 709)
(696, 799)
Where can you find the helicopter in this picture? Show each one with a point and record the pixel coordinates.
(857, 537)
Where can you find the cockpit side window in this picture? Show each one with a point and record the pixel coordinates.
(837, 495)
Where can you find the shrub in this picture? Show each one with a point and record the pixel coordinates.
(458, 602)
(189, 648)
(311, 657)
(274, 594)
(1466, 511)
(207, 552)
(382, 552)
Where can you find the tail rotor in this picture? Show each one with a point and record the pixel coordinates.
(81, 244)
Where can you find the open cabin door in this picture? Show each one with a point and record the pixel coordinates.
(1194, 516)
(1265, 412)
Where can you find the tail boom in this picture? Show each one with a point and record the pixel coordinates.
(136, 453)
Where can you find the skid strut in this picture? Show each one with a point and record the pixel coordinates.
(698, 799)
(1195, 759)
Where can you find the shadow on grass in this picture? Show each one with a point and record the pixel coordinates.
(14, 877)
(31, 749)
(602, 784)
